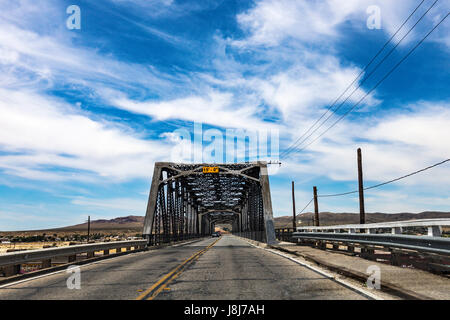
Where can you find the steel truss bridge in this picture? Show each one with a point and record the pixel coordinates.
(188, 200)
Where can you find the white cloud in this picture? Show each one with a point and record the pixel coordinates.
(45, 138)
(270, 22)
(125, 205)
(424, 128)
(294, 74)
(300, 92)
(40, 60)
(397, 144)
(40, 131)
(308, 80)
(392, 146)
(165, 9)
(215, 108)
(147, 3)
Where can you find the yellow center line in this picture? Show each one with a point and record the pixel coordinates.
(153, 296)
(195, 257)
(174, 273)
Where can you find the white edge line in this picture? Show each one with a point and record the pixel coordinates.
(322, 272)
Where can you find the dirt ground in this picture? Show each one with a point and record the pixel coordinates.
(30, 245)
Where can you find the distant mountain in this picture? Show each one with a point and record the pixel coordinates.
(136, 223)
(130, 223)
(325, 218)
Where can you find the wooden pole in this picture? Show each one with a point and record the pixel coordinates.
(294, 222)
(362, 213)
(316, 208)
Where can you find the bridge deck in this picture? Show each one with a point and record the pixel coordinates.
(230, 269)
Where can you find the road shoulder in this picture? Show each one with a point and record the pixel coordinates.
(406, 283)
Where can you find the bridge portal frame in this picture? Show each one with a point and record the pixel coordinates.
(175, 212)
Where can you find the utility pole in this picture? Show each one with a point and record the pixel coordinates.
(294, 222)
(89, 228)
(316, 208)
(362, 213)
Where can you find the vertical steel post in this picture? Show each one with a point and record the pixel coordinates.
(362, 213)
(196, 221)
(241, 227)
(151, 205)
(294, 222)
(190, 219)
(89, 228)
(267, 203)
(316, 208)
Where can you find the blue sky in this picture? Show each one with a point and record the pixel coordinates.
(86, 113)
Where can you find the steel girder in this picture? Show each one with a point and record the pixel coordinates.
(184, 202)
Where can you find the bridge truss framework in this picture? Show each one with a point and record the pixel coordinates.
(184, 202)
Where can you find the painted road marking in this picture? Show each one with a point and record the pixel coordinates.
(162, 283)
(324, 273)
(89, 264)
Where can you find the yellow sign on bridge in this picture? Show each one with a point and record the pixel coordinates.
(210, 169)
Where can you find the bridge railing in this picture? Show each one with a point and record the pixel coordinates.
(285, 234)
(434, 227)
(156, 240)
(437, 245)
(427, 250)
(10, 263)
(253, 235)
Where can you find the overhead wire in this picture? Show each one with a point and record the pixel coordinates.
(376, 86)
(285, 153)
(354, 80)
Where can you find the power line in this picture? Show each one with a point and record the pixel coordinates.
(337, 194)
(376, 86)
(387, 182)
(306, 206)
(293, 145)
(370, 74)
(297, 143)
(377, 185)
(408, 175)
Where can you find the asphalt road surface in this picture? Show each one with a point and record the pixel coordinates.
(215, 268)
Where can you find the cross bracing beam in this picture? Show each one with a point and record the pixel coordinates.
(187, 201)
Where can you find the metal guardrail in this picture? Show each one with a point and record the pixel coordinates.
(284, 234)
(14, 258)
(434, 226)
(438, 245)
